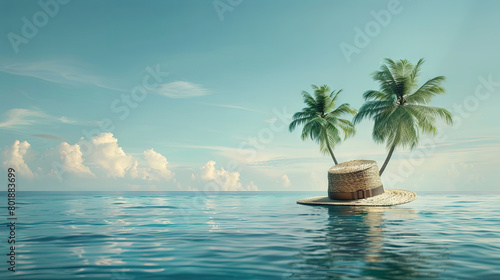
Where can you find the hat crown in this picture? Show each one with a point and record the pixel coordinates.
(352, 166)
(352, 176)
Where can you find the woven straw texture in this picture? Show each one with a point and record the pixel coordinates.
(388, 198)
(354, 175)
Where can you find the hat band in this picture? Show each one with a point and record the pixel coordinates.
(359, 194)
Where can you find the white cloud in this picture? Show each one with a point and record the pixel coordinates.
(61, 72)
(134, 170)
(155, 168)
(105, 159)
(252, 187)
(285, 180)
(18, 117)
(181, 89)
(225, 180)
(158, 164)
(66, 120)
(108, 155)
(71, 158)
(14, 158)
(233, 107)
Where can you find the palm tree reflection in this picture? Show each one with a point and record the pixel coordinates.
(369, 243)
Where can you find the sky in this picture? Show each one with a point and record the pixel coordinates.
(198, 95)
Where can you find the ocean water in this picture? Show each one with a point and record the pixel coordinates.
(260, 235)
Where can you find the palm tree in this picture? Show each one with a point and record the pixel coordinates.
(321, 119)
(399, 108)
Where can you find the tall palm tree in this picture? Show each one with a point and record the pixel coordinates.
(321, 119)
(399, 108)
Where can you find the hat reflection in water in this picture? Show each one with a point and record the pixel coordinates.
(358, 183)
(374, 236)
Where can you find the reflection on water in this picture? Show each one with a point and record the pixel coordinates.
(368, 243)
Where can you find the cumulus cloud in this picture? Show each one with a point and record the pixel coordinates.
(158, 165)
(252, 187)
(285, 180)
(105, 159)
(109, 156)
(227, 181)
(154, 168)
(72, 160)
(181, 89)
(134, 170)
(14, 158)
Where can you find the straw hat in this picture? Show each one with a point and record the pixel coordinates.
(357, 183)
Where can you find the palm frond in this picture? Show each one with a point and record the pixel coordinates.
(333, 98)
(416, 71)
(311, 129)
(329, 135)
(343, 109)
(397, 128)
(347, 127)
(377, 95)
(308, 99)
(297, 122)
(371, 109)
(434, 112)
(386, 79)
(427, 91)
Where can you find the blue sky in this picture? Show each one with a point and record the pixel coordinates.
(185, 95)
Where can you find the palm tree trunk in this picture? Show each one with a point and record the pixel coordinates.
(331, 152)
(387, 160)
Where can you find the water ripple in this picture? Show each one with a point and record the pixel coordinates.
(259, 236)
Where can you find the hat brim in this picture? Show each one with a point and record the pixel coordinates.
(388, 198)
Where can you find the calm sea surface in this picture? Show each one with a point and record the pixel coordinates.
(153, 235)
